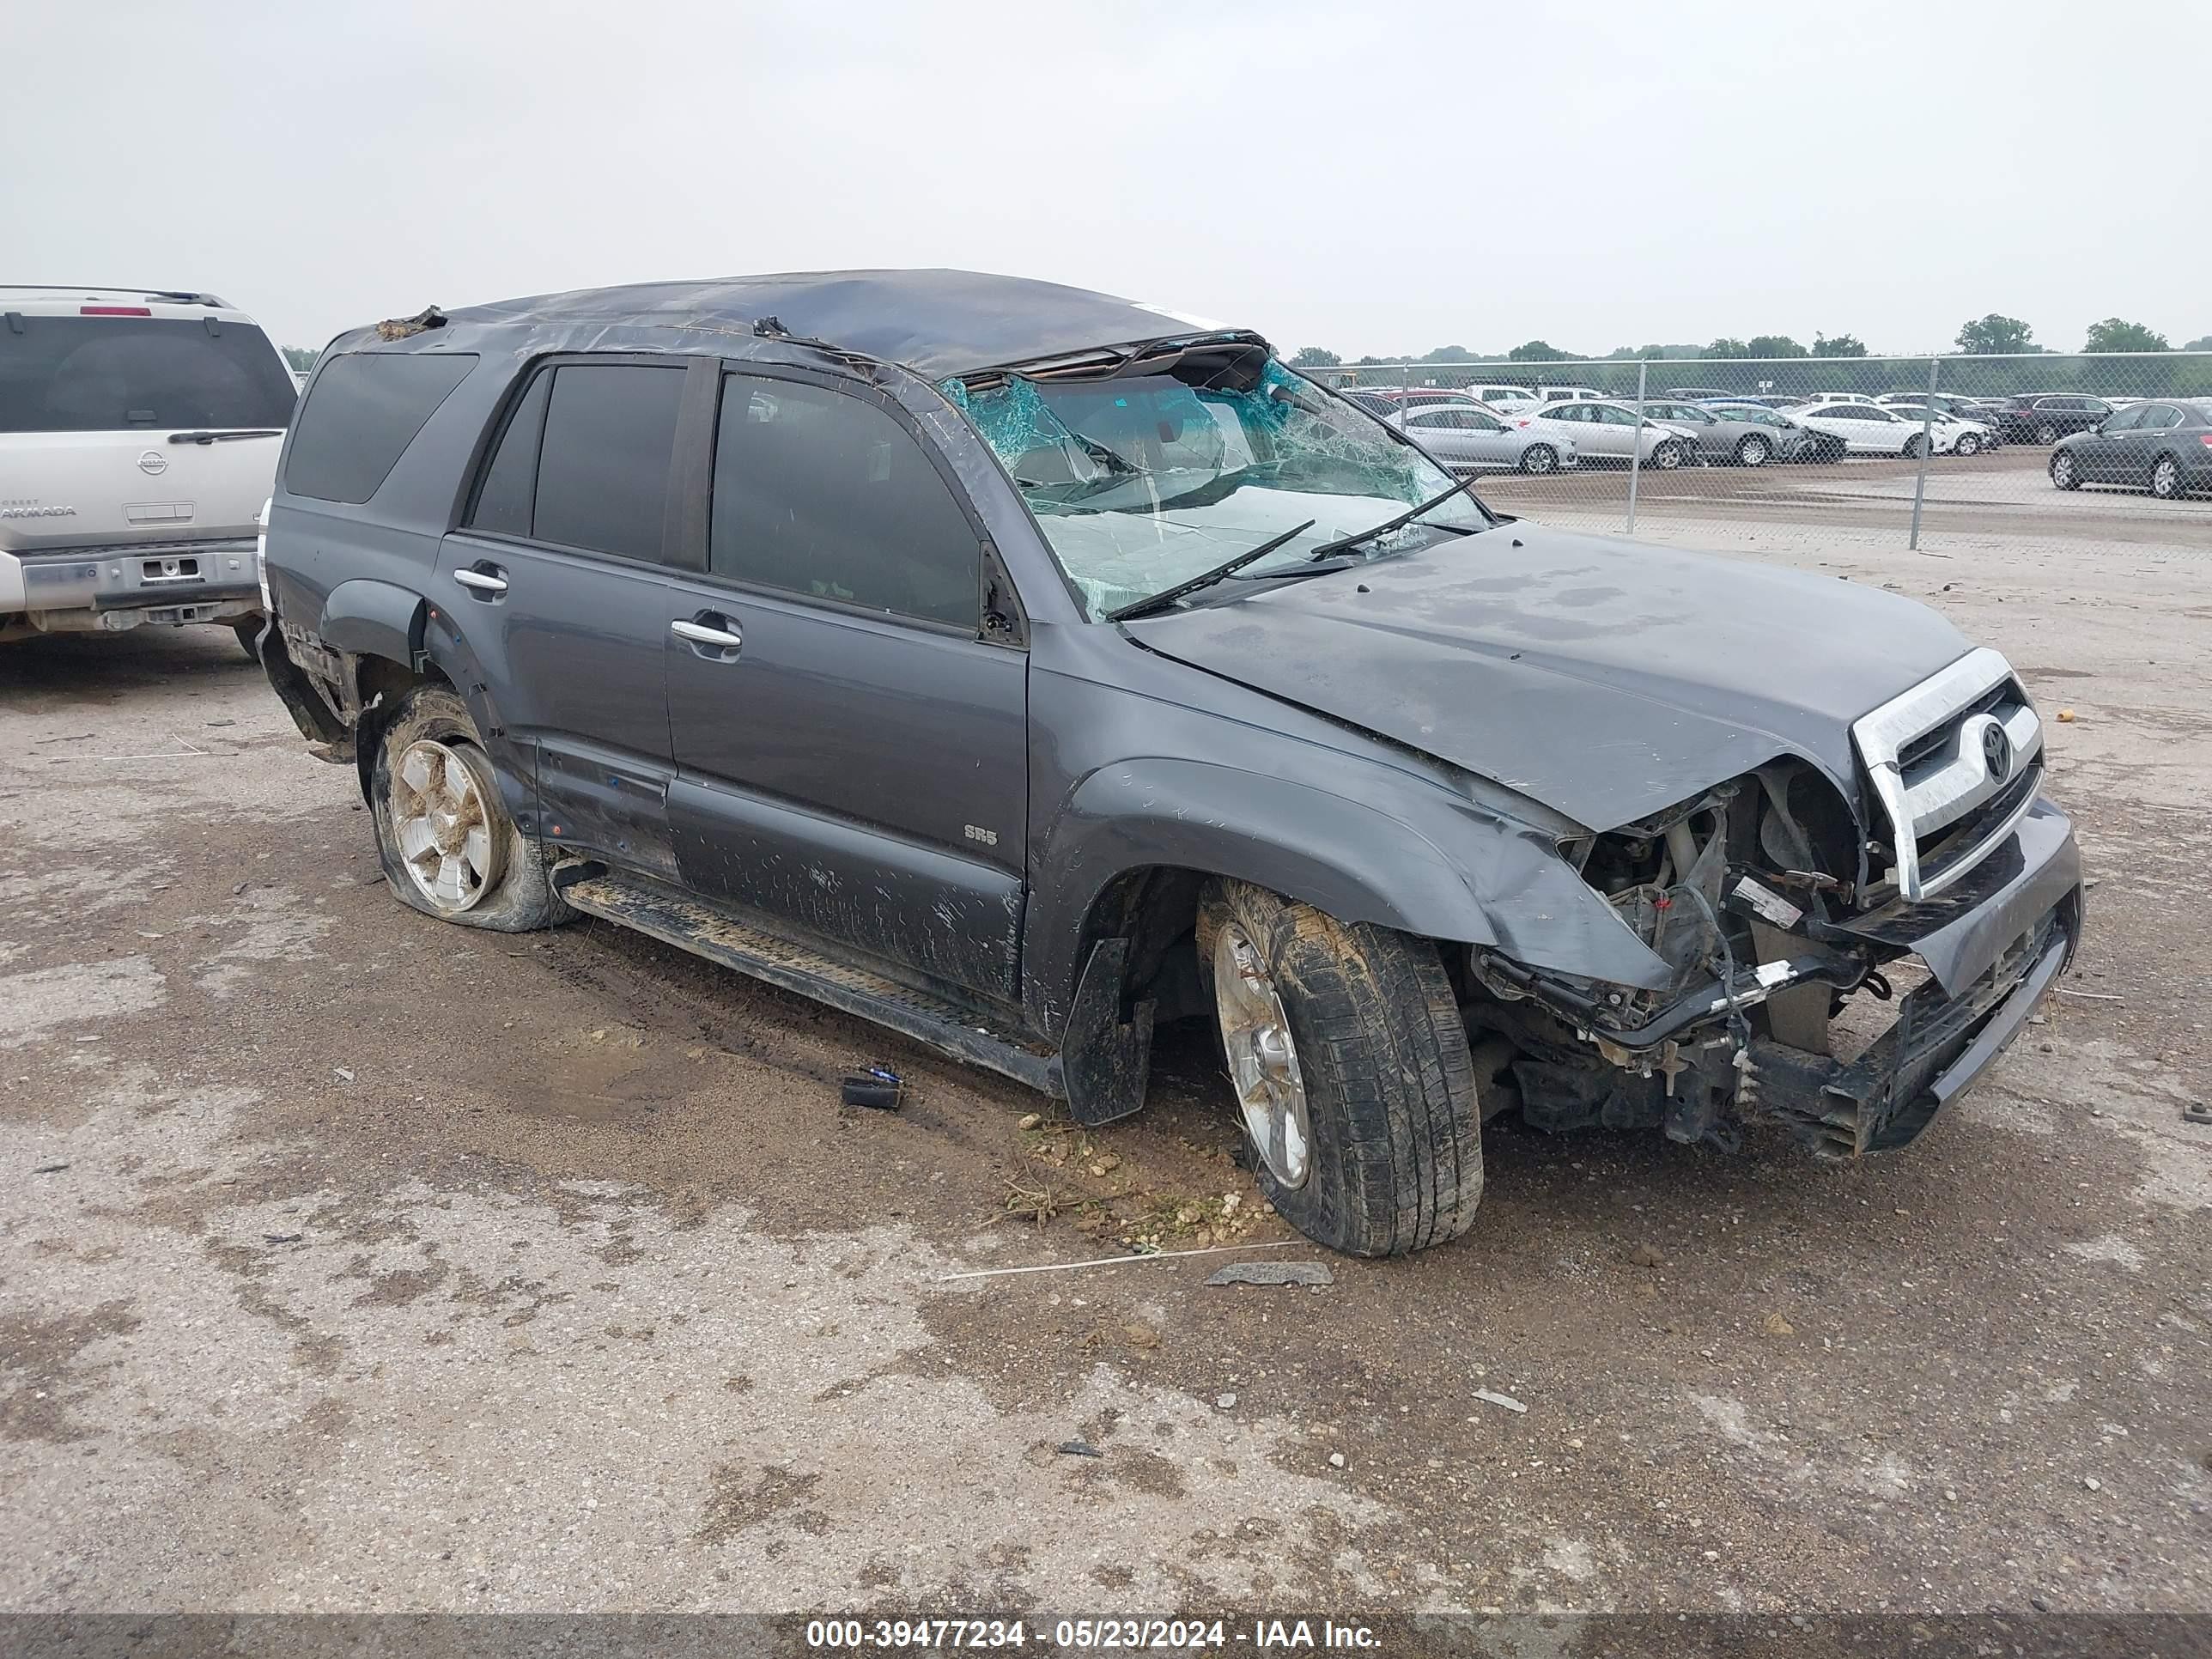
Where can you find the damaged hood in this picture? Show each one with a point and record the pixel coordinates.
(1607, 679)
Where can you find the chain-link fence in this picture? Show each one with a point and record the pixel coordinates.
(2094, 447)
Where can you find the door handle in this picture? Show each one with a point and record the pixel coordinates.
(711, 629)
(483, 578)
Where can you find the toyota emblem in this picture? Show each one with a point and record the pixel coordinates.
(1996, 751)
(153, 463)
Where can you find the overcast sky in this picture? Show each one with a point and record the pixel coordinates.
(1426, 174)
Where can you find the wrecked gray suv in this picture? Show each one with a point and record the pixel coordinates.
(1020, 667)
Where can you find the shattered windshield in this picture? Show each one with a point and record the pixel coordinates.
(1145, 481)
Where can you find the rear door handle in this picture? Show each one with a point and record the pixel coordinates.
(713, 635)
(483, 578)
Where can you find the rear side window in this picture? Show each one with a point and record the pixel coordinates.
(585, 459)
(121, 373)
(824, 494)
(366, 408)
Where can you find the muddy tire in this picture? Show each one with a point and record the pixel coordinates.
(449, 846)
(1371, 1037)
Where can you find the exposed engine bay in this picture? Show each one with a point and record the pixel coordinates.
(1744, 892)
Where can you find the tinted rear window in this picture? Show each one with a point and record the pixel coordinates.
(603, 465)
(366, 408)
(117, 373)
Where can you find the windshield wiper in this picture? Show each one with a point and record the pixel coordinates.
(1383, 529)
(1206, 578)
(225, 437)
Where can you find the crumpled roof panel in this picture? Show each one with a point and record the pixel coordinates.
(937, 323)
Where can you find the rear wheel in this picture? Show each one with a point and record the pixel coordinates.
(2063, 472)
(248, 630)
(1540, 457)
(2165, 478)
(1916, 446)
(449, 846)
(1351, 1069)
(1753, 451)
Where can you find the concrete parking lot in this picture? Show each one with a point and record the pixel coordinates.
(348, 1261)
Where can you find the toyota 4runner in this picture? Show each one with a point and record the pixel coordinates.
(1019, 667)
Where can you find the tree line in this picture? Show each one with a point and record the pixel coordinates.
(1990, 336)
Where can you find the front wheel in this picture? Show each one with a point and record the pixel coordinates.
(1540, 457)
(2165, 478)
(1968, 444)
(2046, 433)
(1667, 457)
(1753, 451)
(1351, 1070)
(450, 847)
(2065, 474)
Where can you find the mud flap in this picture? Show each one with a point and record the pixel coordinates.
(1104, 1059)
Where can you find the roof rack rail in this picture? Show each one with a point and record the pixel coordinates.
(176, 295)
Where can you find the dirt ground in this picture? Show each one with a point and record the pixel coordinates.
(349, 1261)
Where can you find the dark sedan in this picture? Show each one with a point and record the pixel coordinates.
(2161, 445)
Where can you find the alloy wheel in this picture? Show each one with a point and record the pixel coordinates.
(1263, 1059)
(441, 820)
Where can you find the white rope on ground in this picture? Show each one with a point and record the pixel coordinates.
(1115, 1261)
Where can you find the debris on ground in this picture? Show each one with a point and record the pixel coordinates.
(877, 1089)
(1776, 1325)
(1140, 1335)
(1227, 1401)
(1505, 1400)
(341, 1074)
(50, 1168)
(1028, 1121)
(1336, 1460)
(282, 1238)
(2091, 996)
(2197, 1111)
(2066, 716)
(1080, 1449)
(1646, 1256)
(1273, 1272)
(1037, 1204)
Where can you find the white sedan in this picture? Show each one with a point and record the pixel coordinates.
(1953, 434)
(1864, 429)
(1607, 432)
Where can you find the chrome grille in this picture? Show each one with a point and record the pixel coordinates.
(1954, 764)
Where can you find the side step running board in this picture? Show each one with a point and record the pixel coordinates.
(704, 932)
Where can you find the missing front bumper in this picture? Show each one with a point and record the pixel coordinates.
(1939, 1044)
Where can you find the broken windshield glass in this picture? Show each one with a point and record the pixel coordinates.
(1143, 482)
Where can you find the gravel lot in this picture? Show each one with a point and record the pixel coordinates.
(351, 1261)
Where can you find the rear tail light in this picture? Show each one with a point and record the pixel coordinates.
(2205, 438)
(261, 559)
(114, 311)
